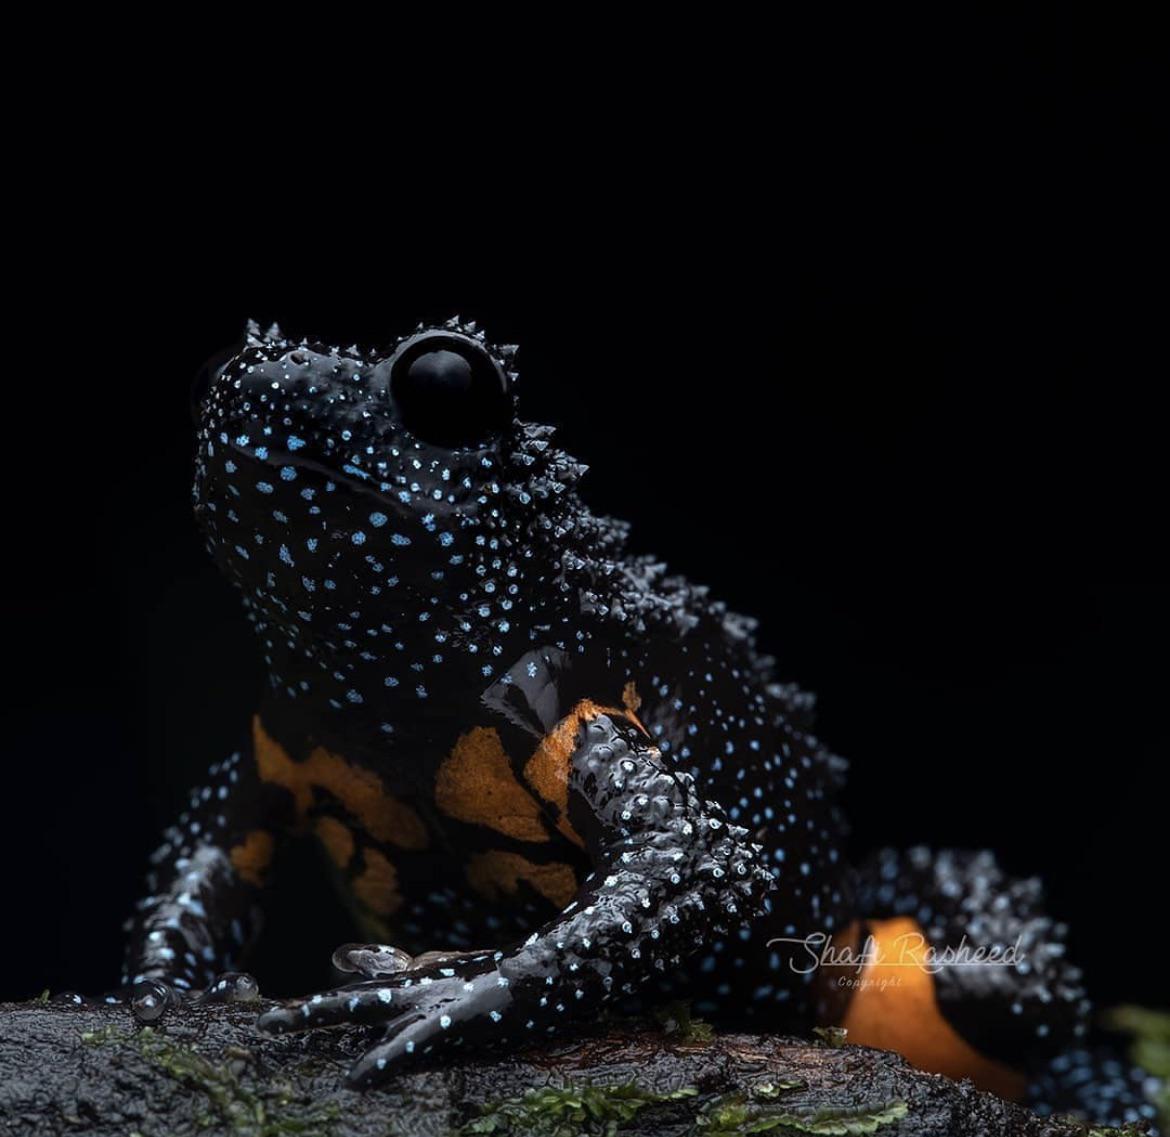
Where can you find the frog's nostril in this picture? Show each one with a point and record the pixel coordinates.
(448, 389)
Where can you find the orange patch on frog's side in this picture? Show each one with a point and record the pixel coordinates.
(377, 885)
(496, 873)
(476, 784)
(252, 856)
(336, 839)
(360, 791)
(547, 770)
(896, 1008)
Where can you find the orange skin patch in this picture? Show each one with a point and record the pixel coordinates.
(631, 700)
(895, 1008)
(336, 839)
(360, 791)
(547, 770)
(252, 856)
(377, 885)
(475, 784)
(496, 873)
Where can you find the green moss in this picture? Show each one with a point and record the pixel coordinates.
(572, 1111)
(272, 1110)
(676, 1019)
(832, 1036)
(1150, 1049)
(769, 1091)
(736, 1116)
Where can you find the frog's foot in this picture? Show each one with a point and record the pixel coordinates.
(150, 998)
(435, 1002)
(670, 870)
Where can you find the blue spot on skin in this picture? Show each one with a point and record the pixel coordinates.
(287, 473)
(311, 544)
(399, 539)
(285, 555)
(264, 487)
(358, 538)
(294, 443)
(391, 681)
(262, 453)
(377, 520)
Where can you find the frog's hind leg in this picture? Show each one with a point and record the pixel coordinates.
(961, 970)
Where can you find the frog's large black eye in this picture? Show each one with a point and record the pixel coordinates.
(449, 390)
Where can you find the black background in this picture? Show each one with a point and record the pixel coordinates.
(881, 372)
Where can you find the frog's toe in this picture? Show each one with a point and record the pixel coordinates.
(371, 960)
(231, 987)
(410, 1034)
(364, 1004)
(150, 998)
(419, 1012)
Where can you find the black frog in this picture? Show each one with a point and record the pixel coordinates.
(552, 774)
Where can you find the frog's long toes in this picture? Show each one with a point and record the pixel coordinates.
(408, 1036)
(361, 1005)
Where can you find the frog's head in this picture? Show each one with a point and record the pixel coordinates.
(363, 498)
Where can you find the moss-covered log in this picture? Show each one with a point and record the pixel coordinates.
(93, 1071)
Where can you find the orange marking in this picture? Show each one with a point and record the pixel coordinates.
(631, 700)
(547, 770)
(252, 856)
(895, 1007)
(337, 840)
(360, 791)
(497, 873)
(476, 784)
(377, 886)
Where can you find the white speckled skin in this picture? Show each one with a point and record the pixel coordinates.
(404, 591)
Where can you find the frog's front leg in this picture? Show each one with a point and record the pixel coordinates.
(204, 881)
(669, 871)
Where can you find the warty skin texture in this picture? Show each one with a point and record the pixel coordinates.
(519, 745)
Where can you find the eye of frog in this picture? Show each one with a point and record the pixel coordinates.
(449, 390)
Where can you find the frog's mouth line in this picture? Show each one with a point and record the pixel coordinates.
(351, 478)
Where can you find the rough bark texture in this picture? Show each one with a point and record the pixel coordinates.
(72, 1070)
